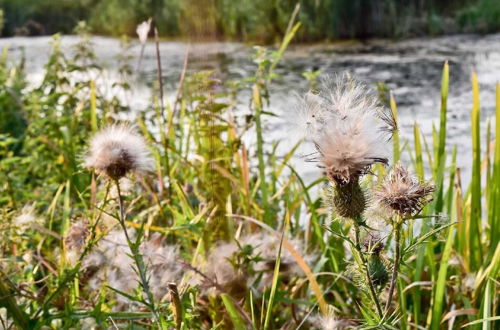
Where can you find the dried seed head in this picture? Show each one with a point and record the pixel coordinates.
(349, 128)
(117, 150)
(249, 262)
(143, 30)
(403, 193)
(77, 235)
(26, 218)
(110, 262)
(330, 322)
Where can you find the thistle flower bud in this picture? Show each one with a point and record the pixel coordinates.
(349, 200)
(403, 193)
(378, 271)
(118, 150)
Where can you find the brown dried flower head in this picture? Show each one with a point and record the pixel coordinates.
(118, 150)
(77, 235)
(403, 193)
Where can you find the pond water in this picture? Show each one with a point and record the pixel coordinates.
(410, 68)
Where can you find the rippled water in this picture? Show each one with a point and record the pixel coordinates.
(410, 68)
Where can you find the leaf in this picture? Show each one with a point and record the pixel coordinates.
(238, 322)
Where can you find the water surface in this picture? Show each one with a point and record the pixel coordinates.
(410, 68)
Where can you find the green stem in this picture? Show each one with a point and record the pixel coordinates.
(257, 100)
(7, 300)
(373, 292)
(139, 261)
(397, 248)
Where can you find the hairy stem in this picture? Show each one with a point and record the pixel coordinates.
(397, 248)
(373, 292)
(138, 260)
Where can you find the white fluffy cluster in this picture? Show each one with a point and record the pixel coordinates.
(117, 150)
(112, 264)
(348, 127)
(218, 266)
(26, 218)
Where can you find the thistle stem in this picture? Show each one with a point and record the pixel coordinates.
(138, 260)
(257, 100)
(397, 248)
(373, 292)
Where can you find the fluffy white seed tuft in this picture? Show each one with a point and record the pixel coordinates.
(348, 126)
(118, 150)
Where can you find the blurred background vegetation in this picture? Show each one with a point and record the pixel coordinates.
(254, 20)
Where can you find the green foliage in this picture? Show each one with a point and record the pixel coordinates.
(255, 19)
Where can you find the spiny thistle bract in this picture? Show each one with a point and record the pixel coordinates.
(117, 150)
(403, 193)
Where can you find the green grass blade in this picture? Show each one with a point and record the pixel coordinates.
(440, 286)
(275, 279)
(395, 138)
(474, 218)
(93, 107)
(419, 164)
(494, 190)
(234, 315)
(441, 143)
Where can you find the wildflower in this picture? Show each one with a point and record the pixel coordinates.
(117, 150)
(403, 193)
(143, 30)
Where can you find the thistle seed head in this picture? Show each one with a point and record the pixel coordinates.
(348, 127)
(142, 30)
(249, 262)
(110, 262)
(403, 193)
(330, 322)
(118, 150)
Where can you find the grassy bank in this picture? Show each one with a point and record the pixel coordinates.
(251, 20)
(178, 223)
